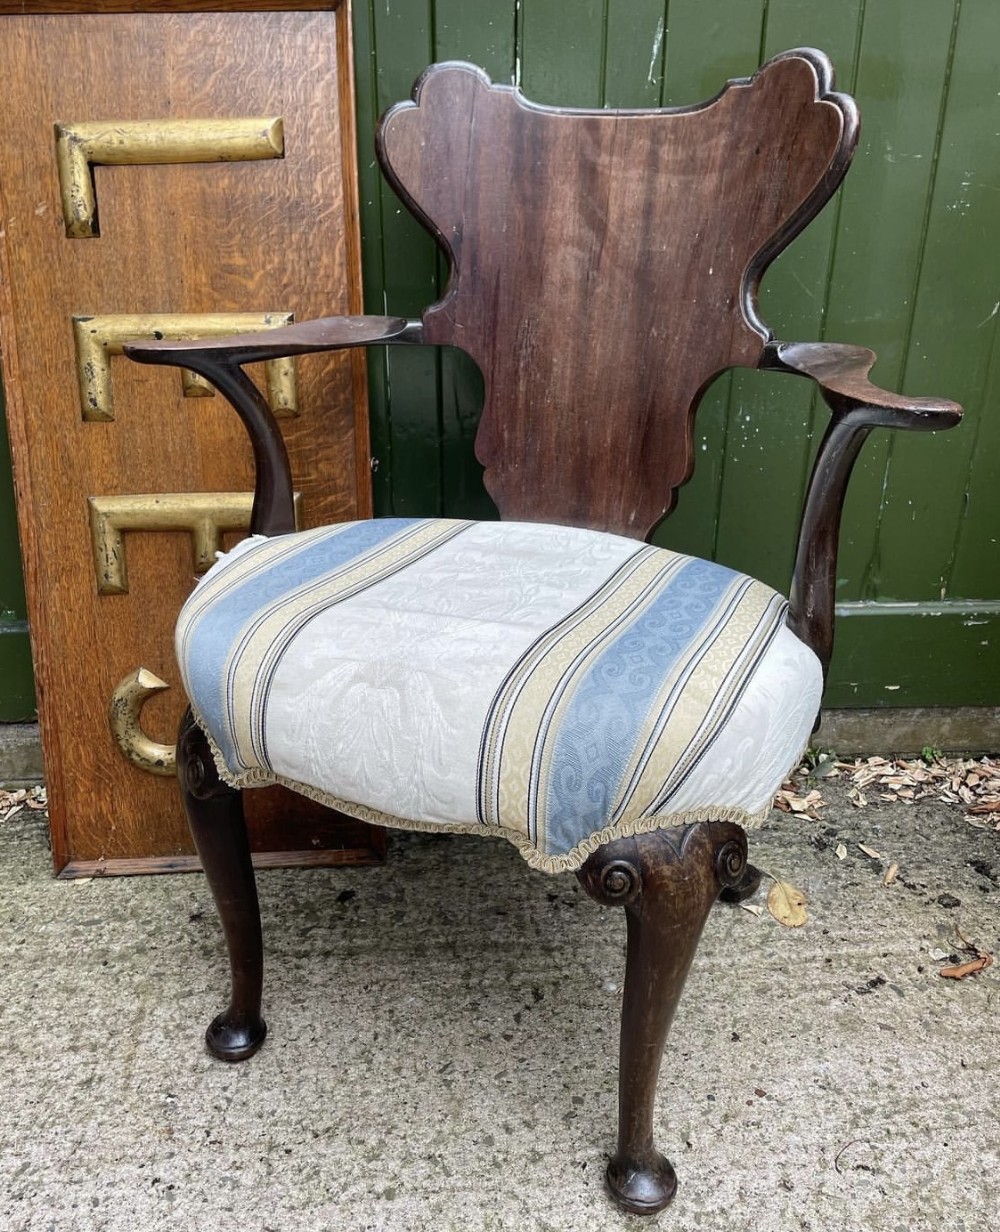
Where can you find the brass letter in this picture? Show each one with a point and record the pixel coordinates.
(98, 338)
(119, 143)
(123, 714)
(204, 515)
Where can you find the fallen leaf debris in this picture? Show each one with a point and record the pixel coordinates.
(972, 784)
(980, 959)
(12, 802)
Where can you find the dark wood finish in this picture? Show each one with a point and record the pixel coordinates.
(857, 406)
(605, 267)
(218, 360)
(276, 235)
(609, 276)
(215, 814)
(666, 882)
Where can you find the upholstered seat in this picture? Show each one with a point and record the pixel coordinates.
(559, 686)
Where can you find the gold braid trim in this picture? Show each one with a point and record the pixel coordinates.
(567, 863)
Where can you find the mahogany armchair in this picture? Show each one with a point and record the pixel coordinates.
(612, 708)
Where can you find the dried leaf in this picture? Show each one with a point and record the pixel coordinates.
(787, 904)
(798, 804)
(753, 908)
(972, 967)
(840, 851)
(891, 873)
(871, 852)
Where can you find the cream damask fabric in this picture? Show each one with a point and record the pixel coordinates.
(558, 686)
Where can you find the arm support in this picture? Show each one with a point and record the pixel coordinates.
(220, 360)
(857, 406)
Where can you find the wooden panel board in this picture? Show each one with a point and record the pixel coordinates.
(258, 236)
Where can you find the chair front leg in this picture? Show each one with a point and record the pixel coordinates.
(215, 815)
(667, 882)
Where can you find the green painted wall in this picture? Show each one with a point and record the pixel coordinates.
(906, 260)
(17, 693)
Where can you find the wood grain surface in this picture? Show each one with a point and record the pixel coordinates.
(24, 8)
(612, 262)
(278, 235)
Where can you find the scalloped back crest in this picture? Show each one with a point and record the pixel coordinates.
(605, 266)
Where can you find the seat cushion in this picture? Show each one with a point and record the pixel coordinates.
(561, 687)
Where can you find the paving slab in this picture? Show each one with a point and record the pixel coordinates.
(443, 1036)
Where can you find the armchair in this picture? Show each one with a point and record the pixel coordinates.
(614, 709)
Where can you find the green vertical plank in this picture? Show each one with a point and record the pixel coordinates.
(951, 341)
(483, 35)
(706, 45)
(976, 570)
(770, 417)
(634, 52)
(372, 263)
(401, 38)
(560, 57)
(902, 74)
(17, 690)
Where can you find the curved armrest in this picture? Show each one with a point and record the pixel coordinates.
(857, 407)
(219, 361)
(841, 372)
(325, 334)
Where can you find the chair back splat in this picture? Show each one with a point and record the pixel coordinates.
(605, 266)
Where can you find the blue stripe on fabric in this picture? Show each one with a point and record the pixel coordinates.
(224, 618)
(774, 613)
(601, 724)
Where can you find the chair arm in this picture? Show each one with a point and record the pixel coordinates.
(857, 406)
(219, 361)
(325, 334)
(841, 372)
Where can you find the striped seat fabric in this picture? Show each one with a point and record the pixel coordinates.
(557, 686)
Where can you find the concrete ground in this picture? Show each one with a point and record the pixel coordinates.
(443, 1035)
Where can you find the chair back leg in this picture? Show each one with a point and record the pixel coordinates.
(215, 815)
(666, 881)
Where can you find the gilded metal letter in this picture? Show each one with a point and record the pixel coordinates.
(204, 515)
(124, 717)
(98, 338)
(80, 146)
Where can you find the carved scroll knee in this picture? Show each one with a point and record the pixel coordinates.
(666, 882)
(215, 815)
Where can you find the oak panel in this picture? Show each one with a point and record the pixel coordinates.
(277, 235)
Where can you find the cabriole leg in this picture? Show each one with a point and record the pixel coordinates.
(667, 882)
(215, 815)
